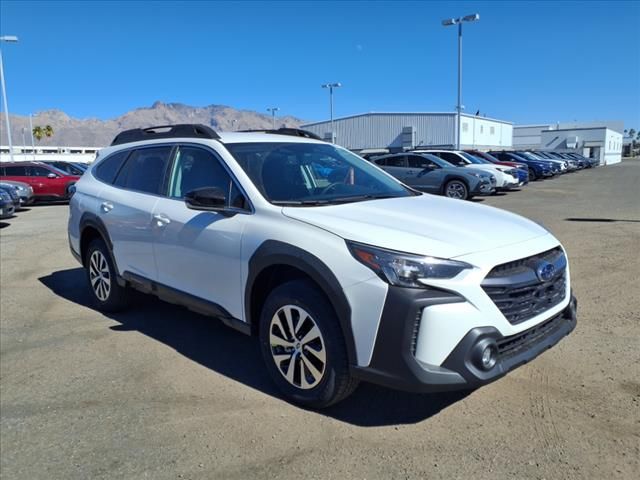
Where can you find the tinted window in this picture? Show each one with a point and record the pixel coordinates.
(145, 170)
(416, 161)
(198, 168)
(451, 158)
(39, 171)
(17, 171)
(108, 168)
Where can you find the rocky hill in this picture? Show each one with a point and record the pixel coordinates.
(69, 131)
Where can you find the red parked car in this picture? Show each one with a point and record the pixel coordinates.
(492, 159)
(48, 182)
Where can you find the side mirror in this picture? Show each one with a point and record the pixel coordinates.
(52, 175)
(209, 199)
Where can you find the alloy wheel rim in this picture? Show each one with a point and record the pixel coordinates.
(455, 190)
(99, 275)
(297, 347)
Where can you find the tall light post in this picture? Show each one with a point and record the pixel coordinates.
(447, 23)
(273, 111)
(331, 86)
(10, 39)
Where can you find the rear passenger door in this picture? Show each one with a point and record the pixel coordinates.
(198, 252)
(127, 205)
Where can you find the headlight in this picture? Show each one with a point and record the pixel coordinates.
(404, 269)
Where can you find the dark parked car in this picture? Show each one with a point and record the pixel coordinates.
(13, 193)
(537, 168)
(6, 205)
(25, 192)
(47, 181)
(431, 174)
(521, 169)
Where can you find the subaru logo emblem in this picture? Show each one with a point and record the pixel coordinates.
(545, 271)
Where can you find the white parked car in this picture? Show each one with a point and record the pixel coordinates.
(506, 177)
(341, 271)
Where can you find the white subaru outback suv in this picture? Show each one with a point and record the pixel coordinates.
(342, 272)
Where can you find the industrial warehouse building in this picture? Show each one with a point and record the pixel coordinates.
(398, 131)
(601, 140)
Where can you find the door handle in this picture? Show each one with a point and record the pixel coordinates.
(161, 220)
(106, 207)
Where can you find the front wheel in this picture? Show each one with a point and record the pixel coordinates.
(456, 189)
(532, 175)
(303, 346)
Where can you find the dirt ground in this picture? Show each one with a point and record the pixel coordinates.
(162, 393)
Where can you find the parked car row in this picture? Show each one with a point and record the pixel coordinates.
(47, 180)
(465, 174)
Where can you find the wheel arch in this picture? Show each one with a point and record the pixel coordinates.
(91, 227)
(449, 177)
(274, 263)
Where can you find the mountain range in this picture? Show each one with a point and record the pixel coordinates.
(92, 132)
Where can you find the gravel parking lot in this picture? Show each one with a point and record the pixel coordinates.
(160, 392)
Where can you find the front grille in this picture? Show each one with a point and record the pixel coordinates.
(517, 291)
(513, 345)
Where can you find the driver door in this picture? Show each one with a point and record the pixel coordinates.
(426, 176)
(198, 252)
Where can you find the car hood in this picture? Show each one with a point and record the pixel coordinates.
(467, 171)
(425, 224)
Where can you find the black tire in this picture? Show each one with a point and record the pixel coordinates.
(458, 187)
(532, 175)
(335, 382)
(114, 298)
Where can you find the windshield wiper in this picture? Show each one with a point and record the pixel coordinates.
(332, 201)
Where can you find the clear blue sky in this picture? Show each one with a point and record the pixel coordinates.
(524, 61)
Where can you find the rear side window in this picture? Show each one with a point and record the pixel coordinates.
(145, 170)
(16, 171)
(109, 167)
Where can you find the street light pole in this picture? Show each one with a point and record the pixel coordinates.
(33, 143)
(273, 111)
(12, 39)
(447, 23)
(331, 86)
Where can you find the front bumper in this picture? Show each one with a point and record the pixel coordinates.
(7, 211)
(395, 365)
(484, 188)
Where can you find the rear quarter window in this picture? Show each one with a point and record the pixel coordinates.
(107, 170)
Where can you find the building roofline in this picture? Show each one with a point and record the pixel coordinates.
(403, 113)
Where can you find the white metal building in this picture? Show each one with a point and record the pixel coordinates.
(397, 131)
(601, 143)
(48, 152)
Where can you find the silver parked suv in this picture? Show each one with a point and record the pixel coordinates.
(341, 271)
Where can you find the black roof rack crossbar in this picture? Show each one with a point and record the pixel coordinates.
(293, 132)
(187, 130)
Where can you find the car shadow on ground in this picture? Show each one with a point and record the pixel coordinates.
(234, 355)
(4, 224)
(600, 220)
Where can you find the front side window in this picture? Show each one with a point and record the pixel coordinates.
(452, 158)
(196, 168)
(312, 173)
(417, 161)
(145, 170)
(39, 171)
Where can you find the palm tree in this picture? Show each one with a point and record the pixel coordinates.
(48, 131)
(632, 133)
(38, 132)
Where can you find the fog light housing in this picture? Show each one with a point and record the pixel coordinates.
(485, 354)
(489, 357)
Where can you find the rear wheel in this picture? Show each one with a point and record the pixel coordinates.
(456, 189)
(108, 296)
(303, 346)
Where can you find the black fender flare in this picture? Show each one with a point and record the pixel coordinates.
(92, 220)
(273, 252)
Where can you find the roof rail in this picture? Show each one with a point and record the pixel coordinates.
(293, 132)
(165, 131)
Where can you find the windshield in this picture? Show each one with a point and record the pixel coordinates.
(313, 174)
(474, 159)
